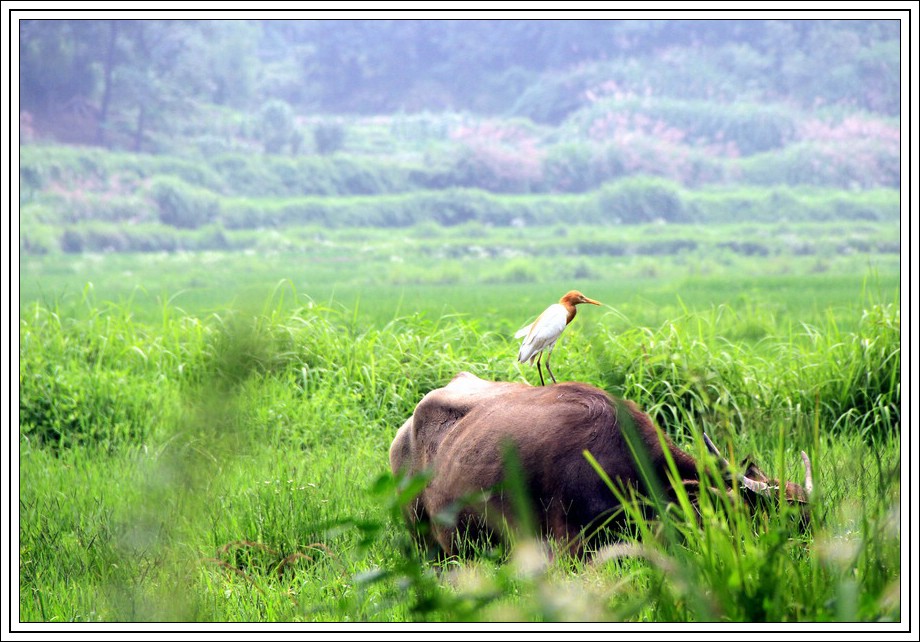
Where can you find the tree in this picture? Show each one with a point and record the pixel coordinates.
(162, 82)
(275, 127)
(56, 60)
(127, 77)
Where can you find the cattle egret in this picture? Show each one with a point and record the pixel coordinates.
(543, 333)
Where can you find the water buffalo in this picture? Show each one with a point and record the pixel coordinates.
(460, 435)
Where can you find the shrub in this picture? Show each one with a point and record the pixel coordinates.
(107, 207)
(352, 176)
(30, 181)
(495, 156)
(62, 408)
(571, 167)
(863, 379)
(246, 175)
(305, 212)
(845, 164)
(275, 127)
(553, 97)
(726, 130)
(38, 239)
(152, 237)
(328, 137)
(516, 271)
(191, 172)
(71, 241)
(75, 392)
(240, 214)
(600, 248)
(183, 205)
(641, 200)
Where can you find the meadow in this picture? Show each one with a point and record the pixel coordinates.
(203, 436)
(247, 250)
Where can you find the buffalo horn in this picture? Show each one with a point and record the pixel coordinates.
(752, 485)
(715, 451)
(758, 487)
(808, 482)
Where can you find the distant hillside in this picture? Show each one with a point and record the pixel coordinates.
(137, 84)
(147, 135)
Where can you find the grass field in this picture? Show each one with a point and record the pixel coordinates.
(501, 275)
(203, 437)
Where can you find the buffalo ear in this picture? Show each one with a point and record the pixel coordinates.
(692, 488)
(751, 471)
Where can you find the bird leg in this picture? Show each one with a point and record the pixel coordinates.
(548, 355)
(540, 356)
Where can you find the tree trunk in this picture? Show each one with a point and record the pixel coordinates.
(103, 123)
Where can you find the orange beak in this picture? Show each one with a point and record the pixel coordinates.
(585, 299)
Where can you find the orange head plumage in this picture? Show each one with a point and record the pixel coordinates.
(574, 297)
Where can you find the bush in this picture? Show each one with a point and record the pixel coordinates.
(553, 96)
(242, 214)
(452, 207)
(183, 205)
(305, 212)
(247, 175)
(792, 204)
(38, 239)
(152, 238)
(863, 379)
(275, 127)
(62, 408)
(106, 207)
(328, 137)
(641, 200)
(849, 164)
(516, 271)
(574, 167)
(726, 129)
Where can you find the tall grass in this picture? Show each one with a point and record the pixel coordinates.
(232, 467)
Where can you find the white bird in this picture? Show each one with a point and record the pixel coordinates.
(543, 333)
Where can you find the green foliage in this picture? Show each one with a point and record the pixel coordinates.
(862, 380)
(87, 384)
(117, 238)
(863, 164)
(182, 205)
(688, 380)
(145, 85)
(579, 167)
(641, 200)
(735, 128)
(779, 203)
(251, 191)
(328, 137)
(552, 97)
(275, 128)
(254, 177)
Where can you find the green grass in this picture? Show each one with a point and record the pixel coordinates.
(182, 459)
(498, 275)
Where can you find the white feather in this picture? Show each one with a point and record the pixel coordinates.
(523, 331)
(543, 333)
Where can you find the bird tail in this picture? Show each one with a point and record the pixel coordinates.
(523, 331)
(527, 352)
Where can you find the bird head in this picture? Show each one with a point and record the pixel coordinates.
(575, 297)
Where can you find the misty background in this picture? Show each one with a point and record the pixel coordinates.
(236, 125)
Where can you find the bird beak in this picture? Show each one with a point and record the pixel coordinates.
(591, 301)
